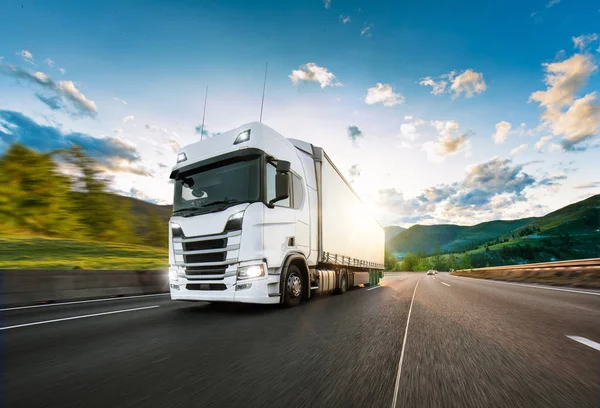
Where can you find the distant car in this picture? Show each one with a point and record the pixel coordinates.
(430, 272)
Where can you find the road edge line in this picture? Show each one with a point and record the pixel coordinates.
(397, 386)
(74, 302)
(76, 317)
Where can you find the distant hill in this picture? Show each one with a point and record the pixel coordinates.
(449, 237)
(392, 231)
(143, 213)
(572, 232)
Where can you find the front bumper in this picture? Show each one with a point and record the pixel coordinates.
(262, 290)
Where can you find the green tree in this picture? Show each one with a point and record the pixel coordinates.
(465, 262)
(389, 260)
(424, 264)
(409, 262)
(34, 195)
(437, 261)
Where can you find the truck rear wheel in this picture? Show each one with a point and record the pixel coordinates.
(293, 287)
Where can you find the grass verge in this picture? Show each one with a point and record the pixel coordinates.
(17, 252)
(582, 278)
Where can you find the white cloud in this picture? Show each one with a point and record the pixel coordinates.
(437, 88)
(27, 56)
(540, 143)
(62, 90)
(552, 3)
(71, 92)
(576, 120)
(119, 100)
(128, 118)
(327, 3)
(383, 93)
(49, 62)
(345, 19)
(518, 149)
(311, 72)
(502, 130)
(554, 147)
(62, 70)
(366, 30)
(469, 82)
(583, 41)
(408, 131)
(154, 128)
(450, 141)
(118, 132)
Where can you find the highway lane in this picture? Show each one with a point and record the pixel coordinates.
(468, 343)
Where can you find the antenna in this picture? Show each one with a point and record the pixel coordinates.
(204, 113)
(263, 95)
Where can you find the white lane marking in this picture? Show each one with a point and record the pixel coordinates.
(443, 283)
(77, 317)
(80, 301)
(403, 347)
(585, 341)
(376, 287)
(532, 286)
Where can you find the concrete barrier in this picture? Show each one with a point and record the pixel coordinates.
(26, 287)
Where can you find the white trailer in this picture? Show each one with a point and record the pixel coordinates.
(259, 218)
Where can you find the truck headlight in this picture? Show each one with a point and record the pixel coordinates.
(234, 222)
(173, 274)
(253, 271)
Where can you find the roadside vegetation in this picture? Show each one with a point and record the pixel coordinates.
(56, 212)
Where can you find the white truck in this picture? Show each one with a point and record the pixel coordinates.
(258, 218)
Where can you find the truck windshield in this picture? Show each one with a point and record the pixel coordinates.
(218, 186)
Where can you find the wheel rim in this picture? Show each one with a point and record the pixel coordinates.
(344, 283)
(294, 285)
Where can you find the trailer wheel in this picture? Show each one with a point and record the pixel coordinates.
(343, 284)
(293, 287)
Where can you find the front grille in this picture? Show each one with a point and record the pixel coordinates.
(204, 270)
(210, 257)
(206, 286)
(202, 245)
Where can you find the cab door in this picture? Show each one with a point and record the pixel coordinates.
(279, 222)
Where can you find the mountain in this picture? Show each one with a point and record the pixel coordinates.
(449, 237)
(572, 232)
(392, 231)
(143, 213)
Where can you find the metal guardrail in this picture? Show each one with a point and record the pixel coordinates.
(590, 263)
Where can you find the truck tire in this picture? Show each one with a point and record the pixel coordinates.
(292, 292)
(343, 284)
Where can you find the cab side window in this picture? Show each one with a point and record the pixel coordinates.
(298, 191)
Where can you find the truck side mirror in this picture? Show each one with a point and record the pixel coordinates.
(282, 181)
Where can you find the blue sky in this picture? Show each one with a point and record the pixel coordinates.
(427, 86)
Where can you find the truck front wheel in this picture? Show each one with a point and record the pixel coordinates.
(343, 284)
(293, 287)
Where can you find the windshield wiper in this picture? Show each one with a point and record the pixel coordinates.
(222, 202)
(187, 209)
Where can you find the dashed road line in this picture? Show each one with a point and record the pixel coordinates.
(585, 341)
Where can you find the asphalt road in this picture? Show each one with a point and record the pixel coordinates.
(468, 343)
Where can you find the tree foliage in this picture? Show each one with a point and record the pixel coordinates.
(64, 194)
